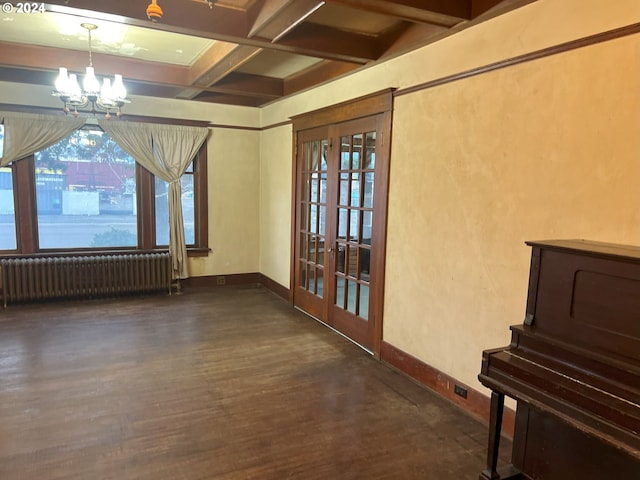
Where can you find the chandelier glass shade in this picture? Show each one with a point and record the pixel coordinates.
(106, 97)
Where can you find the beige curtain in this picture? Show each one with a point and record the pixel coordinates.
(27, 133)
(166, 151)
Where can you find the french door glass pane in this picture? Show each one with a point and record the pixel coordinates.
(368, 190)
(343, 222)
(323, 187)
(7, 211)
(352, 296)
(303, 245)
(363, 270)
(356, 151)
(344, 190)
(370, 152)
(340, 287)
(354, 228)
(364, 301)
(320, 281)
(345, 157)
(322, 220)
(367, 221)
(355, 189)
(312, 281)
(313, 224)
(303, 274)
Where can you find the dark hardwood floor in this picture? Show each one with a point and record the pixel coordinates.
(226, 383)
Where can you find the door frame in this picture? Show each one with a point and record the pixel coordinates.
(380, 105)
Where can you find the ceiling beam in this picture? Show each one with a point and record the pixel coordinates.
(213, 55)
(250, 85)
(230, 99)
(438, 12)
(236, 84)
(277, 17)
(217, 68)
(336, 44)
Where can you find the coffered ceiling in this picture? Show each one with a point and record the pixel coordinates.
(241, 52)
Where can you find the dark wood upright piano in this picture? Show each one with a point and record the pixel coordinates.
(573, 367)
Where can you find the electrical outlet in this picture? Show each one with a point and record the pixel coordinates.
(221, 280)
(458, 390)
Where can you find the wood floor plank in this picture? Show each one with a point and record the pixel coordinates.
(228, 383)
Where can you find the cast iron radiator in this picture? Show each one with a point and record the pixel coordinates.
(42, 278)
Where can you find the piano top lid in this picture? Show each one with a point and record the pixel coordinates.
(590, 247)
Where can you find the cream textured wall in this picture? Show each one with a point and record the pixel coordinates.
(275, 203)
(547, 149)
(233, 187)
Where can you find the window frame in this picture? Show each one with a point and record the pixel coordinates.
(26, 216)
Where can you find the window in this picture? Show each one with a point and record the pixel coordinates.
(162, 208)
(7, 211)
(85, 192)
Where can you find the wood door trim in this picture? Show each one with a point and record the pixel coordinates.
(384, 124)
(372, 104)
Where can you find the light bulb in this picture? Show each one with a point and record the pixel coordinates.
(74, 88)
(105, 92)
(118, 92)
(62, 82)
(90, 82)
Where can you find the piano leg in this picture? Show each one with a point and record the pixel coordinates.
(492, 471)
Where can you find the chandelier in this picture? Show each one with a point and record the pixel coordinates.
(108, 97)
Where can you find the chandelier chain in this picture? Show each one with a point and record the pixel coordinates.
(90, 50)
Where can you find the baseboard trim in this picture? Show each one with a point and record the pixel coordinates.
(275, 287)
(236, 279)
(221, 280)
(476, 403)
